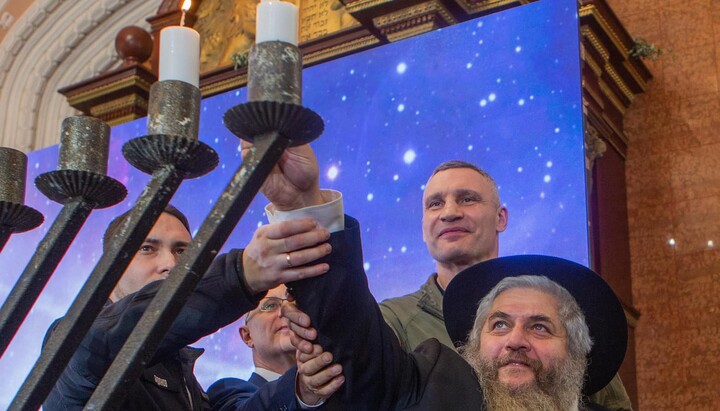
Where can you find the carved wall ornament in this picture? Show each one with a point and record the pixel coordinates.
(319, 18)
(414, 20)
(81, 35)
(595, 147)
(227, 27)
(479, 6)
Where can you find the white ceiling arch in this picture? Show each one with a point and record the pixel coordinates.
(56, 43)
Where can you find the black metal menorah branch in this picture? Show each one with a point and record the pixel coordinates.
(170, 153)
(80, 184)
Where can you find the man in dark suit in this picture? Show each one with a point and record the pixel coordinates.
(267, 334)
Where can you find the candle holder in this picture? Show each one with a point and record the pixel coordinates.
(255, 119)
(84, 145)
(274, 72)
(174, 109)
(15, 216)
(170, 153)
(173, 124)
(80, 185)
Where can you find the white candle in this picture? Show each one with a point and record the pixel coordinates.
(276, 21)
(180, 55)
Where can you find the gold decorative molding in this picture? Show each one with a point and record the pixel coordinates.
(620, 83)
(414, 20)
(637, 77)
(594, 94)
(590, 10)
(473, 7)
(340, 49)
(418, 10)
(120, 110)
(220, 86)
(594, 65)
(607, 92)
(607, 66)
(611, 79)
(102, 90)
(115, 97)
(357, 6)
(596, 43)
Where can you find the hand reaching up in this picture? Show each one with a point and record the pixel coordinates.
(283, 252)
(293, 182)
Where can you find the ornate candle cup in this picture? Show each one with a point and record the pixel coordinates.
(275, 73)
(84, 145)
(13, 165)
(15, 216)
(82, 166)
(174, 109)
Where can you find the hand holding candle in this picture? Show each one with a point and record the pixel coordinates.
(180, 52)
(277, 21)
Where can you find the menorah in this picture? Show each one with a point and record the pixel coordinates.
(273, 119)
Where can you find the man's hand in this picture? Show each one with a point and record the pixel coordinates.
(302, 332)
(318, 378)
(293, 182)
(278, 254)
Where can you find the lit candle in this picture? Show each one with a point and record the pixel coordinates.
(180, 52)
(277, 21)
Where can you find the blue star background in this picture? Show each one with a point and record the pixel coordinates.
(502, 91)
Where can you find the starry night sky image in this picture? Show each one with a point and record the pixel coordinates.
(502, 91)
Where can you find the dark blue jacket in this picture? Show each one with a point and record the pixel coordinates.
(234, 394)
(168, 383)
(379, 374)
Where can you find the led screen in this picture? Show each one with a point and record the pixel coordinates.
(502, 91)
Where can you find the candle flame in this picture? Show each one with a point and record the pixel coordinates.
(186, 5)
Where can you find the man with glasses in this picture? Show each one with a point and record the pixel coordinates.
(266, 332)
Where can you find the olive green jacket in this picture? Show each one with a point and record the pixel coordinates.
(418, 316)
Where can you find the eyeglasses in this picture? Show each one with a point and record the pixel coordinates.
(270, 304)
(267, 305)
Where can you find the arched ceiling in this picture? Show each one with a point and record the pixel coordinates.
(50, 44)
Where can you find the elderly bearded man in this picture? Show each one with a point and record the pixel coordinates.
(530, 339)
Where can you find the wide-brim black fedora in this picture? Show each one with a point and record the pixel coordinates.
(604, 314)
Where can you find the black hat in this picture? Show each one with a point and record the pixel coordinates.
(604, 314)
